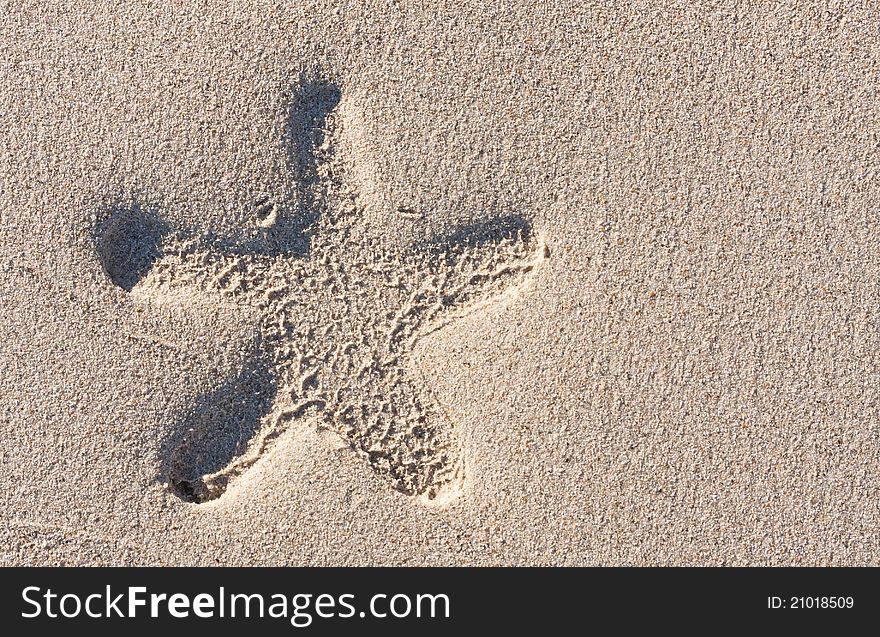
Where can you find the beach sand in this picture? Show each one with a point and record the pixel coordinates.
(398, 283)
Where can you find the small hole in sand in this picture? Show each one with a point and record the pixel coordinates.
(127, 243)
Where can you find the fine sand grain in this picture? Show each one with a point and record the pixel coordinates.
(343, 283)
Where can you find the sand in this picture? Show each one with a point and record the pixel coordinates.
(439, 283)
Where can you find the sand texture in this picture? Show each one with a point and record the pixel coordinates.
(406, 283)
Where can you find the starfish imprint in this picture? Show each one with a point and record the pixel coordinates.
(338, 315)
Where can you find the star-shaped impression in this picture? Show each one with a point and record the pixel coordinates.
(339, 315)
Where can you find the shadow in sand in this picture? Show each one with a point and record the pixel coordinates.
(447, 247)
(305, 128)
(217, 430)
(128, 242)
